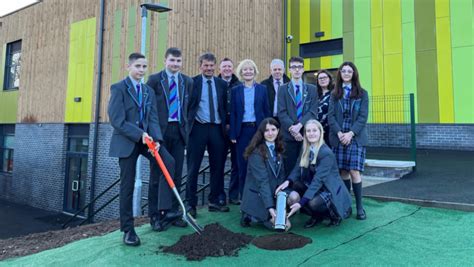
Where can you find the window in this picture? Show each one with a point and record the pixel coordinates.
(7, 139)
(12, 66)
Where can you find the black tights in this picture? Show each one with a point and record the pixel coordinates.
(318, 207)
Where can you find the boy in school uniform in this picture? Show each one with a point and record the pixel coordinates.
(133, 115)
(172, 89)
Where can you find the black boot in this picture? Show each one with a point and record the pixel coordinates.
(348, 185)
(358, 197)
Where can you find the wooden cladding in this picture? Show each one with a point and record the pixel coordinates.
(237, 29)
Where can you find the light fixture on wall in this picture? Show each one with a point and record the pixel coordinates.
(77, 99)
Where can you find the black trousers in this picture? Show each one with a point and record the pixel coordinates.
(159, 192)
(234, 173)
(211, 136)
(291, 154)
(174, 144)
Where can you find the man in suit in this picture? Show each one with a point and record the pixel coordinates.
(133, 115)
(297, 103)
(172, 90)
(273, 83)
(226, 73)
(206, 127)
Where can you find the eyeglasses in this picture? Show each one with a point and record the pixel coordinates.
(347, 71)
(323, 78)
(297, 67)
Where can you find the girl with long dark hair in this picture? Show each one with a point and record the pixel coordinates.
(265, 172)
(324, 85)
(347, 117)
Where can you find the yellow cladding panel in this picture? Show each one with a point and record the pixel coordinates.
(443, 54)
(392, 27)
(305, 12)
(326, 27)
(376, 13)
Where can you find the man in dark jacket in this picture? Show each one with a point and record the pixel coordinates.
(226, 73)
(276, 79)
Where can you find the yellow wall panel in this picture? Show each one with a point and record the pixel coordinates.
(392, 27)
(377, 62)
(443, 53)
(376, 14)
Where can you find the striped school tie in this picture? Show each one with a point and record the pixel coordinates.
(173, 103)
(299, 103)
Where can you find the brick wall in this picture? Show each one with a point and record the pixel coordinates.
(39, 166)
(430, 136)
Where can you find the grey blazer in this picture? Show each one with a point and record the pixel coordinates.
(263, 177)
(159, 83)
(124, 117)
(287, 106)
(327, 174)
(360, 113)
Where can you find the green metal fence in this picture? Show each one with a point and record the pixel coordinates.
(392, 127)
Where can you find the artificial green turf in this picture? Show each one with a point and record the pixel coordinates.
(393, 234)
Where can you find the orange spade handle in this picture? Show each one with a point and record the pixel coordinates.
(152, 146)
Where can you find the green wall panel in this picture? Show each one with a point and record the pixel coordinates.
(348, 30)
(463, 84)
(427, 85)
(315, 5)
(461, 18)
(9, 106)
(295, 28)
(426, 63)
(116, 57)
(80, 71)
(362, 29)
(131, 33)
(2, 66)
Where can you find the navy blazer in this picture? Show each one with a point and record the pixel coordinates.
(159, 83)
(237, 107)
(195, 98)
(123, 111)
(360, 114)
(327, 174)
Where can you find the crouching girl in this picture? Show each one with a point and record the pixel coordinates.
(315, 181)
(264, 173)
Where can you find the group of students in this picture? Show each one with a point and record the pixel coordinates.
(283, 134)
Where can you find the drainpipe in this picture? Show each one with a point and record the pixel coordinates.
(97, 111)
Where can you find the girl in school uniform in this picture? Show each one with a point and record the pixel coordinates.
(265, 172)
(347, 117)
(315, 181)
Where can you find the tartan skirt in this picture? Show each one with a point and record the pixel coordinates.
(351, 157)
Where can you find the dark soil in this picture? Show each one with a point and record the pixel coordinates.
(34, 243)
(282, 241)
(215, 241)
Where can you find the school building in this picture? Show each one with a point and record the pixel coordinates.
(58, 59)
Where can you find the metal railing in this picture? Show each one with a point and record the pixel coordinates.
(392, 127)
(203, 186)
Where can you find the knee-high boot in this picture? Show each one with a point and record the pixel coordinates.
(357, 187)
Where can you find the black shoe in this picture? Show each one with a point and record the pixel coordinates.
(218, 208)
(234, 201)
(130, 238)
(192, 211)
(180, 223)
(157, 225)
(245, 220)
(313, 221)
(361, 215)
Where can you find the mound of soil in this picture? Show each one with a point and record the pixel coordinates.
(282, 241)
(34, 243)
(215, 241)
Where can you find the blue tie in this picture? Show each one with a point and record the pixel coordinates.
(173, 101)
(140, 100)
(274, 154)
(299, 103)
